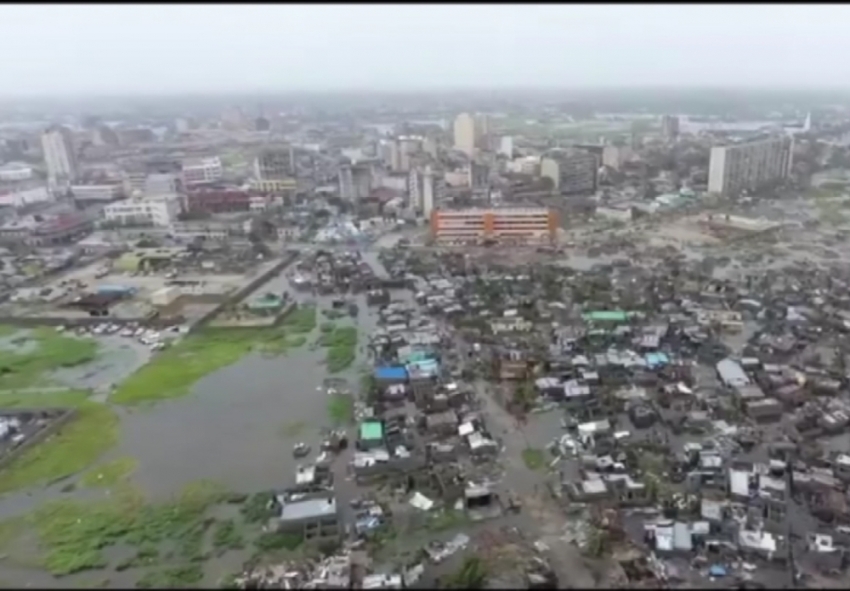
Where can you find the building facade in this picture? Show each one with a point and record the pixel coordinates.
(749, 166)
(465, 133)
(202, 171)
(102, 193)
(218, 200)
(571, 172)
(277, 163)
(670, 127)
(508, 225)
(355, 182)
(59, 155)
(161, 210)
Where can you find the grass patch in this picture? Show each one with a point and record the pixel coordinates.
(74, 534)
(172, 372)
(447, 519)
(302, 320)
(341, 345)
(7, 331)
(77, 445)
(270, 541)
(52, 351)
(341, 408)
(181, 577)
(227, 537)
(256, 508)
(534, 458)
(109, 474)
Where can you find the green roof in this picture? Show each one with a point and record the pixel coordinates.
(371, 430)
(608, 316)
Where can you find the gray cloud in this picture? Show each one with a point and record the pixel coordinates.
(155, 49)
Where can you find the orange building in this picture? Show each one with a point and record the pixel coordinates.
(509, 225)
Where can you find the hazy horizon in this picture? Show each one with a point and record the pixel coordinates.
(157, 50)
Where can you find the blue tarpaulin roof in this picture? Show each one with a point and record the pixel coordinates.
(657, 359)
(390, 373)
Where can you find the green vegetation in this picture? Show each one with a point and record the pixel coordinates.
(180, 577)
(341, 345)
(447, 519)
(52, 351)
(302, 320)
(534, 458)
(227, 537)
(172, 372)
(109, 474)
(327, 327)
(257, 508)
(77, 444)
(74, 533)
(341, 408)
(471, 575)
(269, 541)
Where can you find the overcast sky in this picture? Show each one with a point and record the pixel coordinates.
(154, 49)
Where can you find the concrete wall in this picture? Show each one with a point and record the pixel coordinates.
(244, 291)
(67, 414)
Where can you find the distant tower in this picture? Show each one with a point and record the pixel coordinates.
(59, 155)
(464, 133)
(807, 126)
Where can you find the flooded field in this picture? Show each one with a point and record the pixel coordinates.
(236, 427)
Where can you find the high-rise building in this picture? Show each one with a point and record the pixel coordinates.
(571, 172)
(482, 131)
(59, 155)
(425, 190)
(474, 225)
(408, 147)
(465, 133)
(199, 171)
(355, 182)
(506, 146)
(274, 170)
(670, 127)
(749, 166)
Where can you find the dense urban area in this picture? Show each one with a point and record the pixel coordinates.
(400, 342)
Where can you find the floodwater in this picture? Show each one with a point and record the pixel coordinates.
(237, 427)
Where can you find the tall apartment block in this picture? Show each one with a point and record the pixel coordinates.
(571, 171)
(749, 166)
(59, 155)
(670, 127)
(355, 182)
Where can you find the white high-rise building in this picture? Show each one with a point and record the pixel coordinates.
(426, 190)
(355, 182)
(506, 146)
(749, 166)
(465, 133)
(59, 155)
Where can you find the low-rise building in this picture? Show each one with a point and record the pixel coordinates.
(158, 210)
(475, 225)
(202, 171)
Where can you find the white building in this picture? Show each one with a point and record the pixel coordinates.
(749, 166)
(102, 193)
(408, 147)
(202, 170)
(59, 155)
(465, 133)
(506, 146)
(529, 165)
(355, 182)
(426, 190)
(27, 197)
(158, 210)
(15, 172)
